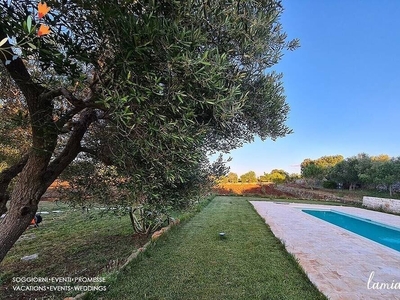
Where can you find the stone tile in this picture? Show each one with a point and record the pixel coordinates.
(337, 261)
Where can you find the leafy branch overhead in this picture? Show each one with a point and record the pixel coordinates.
(148, 88)
(9, 43)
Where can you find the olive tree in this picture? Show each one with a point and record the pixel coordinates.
(149, 87)
(249, 177)
(386, 172)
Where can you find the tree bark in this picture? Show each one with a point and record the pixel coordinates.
(37, 171)
(5, 178)
(23, 204)
(37, 175)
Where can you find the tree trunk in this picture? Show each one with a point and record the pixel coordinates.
(37, 171)
(132, 219)
(36, 176)
(23, 203)
(5, 178)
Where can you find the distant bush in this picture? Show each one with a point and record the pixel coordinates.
(249, 189)
(329, 184)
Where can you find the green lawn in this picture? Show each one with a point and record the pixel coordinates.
(193, 262)
(71, 243)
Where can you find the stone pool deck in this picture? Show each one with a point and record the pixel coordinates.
(341, 264)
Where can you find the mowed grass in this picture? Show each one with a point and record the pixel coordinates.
(193, 262)
(72, 243)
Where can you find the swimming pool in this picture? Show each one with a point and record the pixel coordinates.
(380, 233)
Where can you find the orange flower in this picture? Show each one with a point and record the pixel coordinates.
(43, 30)
(43, 9)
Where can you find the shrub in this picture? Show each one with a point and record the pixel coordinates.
(329, 184)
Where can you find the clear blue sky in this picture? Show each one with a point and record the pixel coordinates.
(342, 85)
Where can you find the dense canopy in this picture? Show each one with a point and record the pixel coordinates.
(148, 87)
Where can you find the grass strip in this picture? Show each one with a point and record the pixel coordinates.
(71, 243)
(194, 262)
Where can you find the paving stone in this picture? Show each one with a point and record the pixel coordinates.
(337, 261)
(30, 257)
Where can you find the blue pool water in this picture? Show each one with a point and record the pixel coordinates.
(380, 233)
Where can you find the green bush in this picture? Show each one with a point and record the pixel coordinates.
(329, 184)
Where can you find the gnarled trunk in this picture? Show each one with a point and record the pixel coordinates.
(23, 203)
(36, 176)
(5, 178)
(36, 171)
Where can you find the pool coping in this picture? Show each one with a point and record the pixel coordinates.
(341, 264)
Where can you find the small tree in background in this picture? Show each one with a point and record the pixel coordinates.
(277, 176)
(264, 178)
(294, 176)
(230, 178)
(313, 172)
(346, 173)
(249, 177)
(233, 177)
(363, 169)
(317, 170)
(387, 173)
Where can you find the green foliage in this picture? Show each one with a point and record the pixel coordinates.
(263, 178)
(70, 242)
(139, 93)
(174, 93)
(381, 158)
(276, 176)
(294, 176)
(192, 262)
(3, 165)
(363, 166)
(313, 171)
(329, 161)
(328, 184)
(230, 178)
(386, 172)
(14, 122)
(324, 161)
(233, 177)
(365, 169)
(318, 169)
(248, 177)
(146, 219)
(93, 184)
(345, 172)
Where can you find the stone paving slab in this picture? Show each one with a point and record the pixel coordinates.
(341, 264)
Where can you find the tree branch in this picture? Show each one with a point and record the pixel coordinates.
(18, 71)
(107, 160)
(78, 103)
(73, 146)
(5, 178)
(89, 151)
(66, 117)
